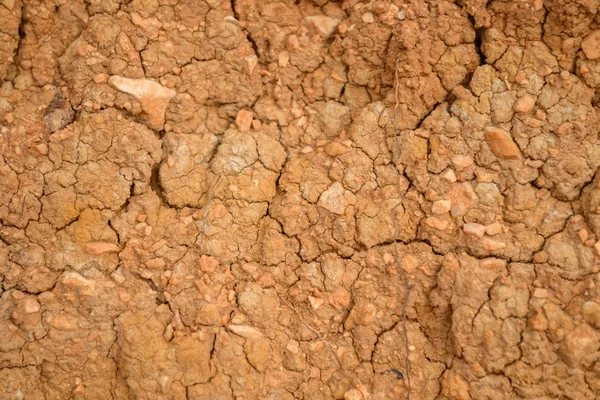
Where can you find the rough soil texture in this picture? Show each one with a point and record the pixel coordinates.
(278, 199)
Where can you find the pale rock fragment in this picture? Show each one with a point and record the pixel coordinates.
(388, 258)
(449, 176)
(293, 346)
(492, 245)
(152, 96)
(334, 118)
(335, 149)
(10, 4)
(245, 331)
(501, 144)
(367, 18)
(76, 281)
(493, 229)
(583, 235)
(31, 306)
(250, 62)
(591, 45)
(18, 295)
(579, 343)
(463, 198)
(474, 229)
(315, 303)
(409, 263)
(284, 59)
(524, 104)
(100, 78)
(333, 199)
(353, 394)
(42, 148)
(99, 248)
(597, 248)
(340, 298)
(436, 223)
(156, 263)
(590, 310)
(462, 162)
(441, 207)
(244, 120)
(324, 24)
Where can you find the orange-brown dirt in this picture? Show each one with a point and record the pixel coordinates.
(311, 199)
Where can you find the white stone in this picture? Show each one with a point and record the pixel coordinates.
(333, 199)
(152, 96)
(474, 229)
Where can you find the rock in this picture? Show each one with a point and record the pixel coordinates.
(353, 394)
(436, 223)
(340, 298)
(449, 175)
(75, 281)
(335, 149)
(315, 302)
(591, 45)
(100, 78)
(463, 198)
(152, 96)
(493, 229)
(501, 144)
(492, 245)
(579, 343)
(99, 248)
(590, 310)
(293, 346)
(367, 18)
(236, 152)
(455, 386)
(245, 331)
(597, 248)
(333, 199)
(244, 120)
(441, 207)
(250, 62)
(474, 229)
(31, 306)
(462, 162)
(258, 353)
(409, 263)
(284, 59)
(325, 25)
(524, 104)
(583, 235)
(156, 263)
(42, 148)
(334, 118)
(10, 4)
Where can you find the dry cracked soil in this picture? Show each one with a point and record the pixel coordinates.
(311, 199)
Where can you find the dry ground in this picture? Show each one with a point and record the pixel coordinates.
(278, 199)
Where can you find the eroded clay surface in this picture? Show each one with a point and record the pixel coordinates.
(277, 199)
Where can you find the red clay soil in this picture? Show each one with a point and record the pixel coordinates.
(278, 199)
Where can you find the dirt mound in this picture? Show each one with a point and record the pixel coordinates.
(277, 199)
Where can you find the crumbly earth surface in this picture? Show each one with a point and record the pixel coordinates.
(312, 199)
